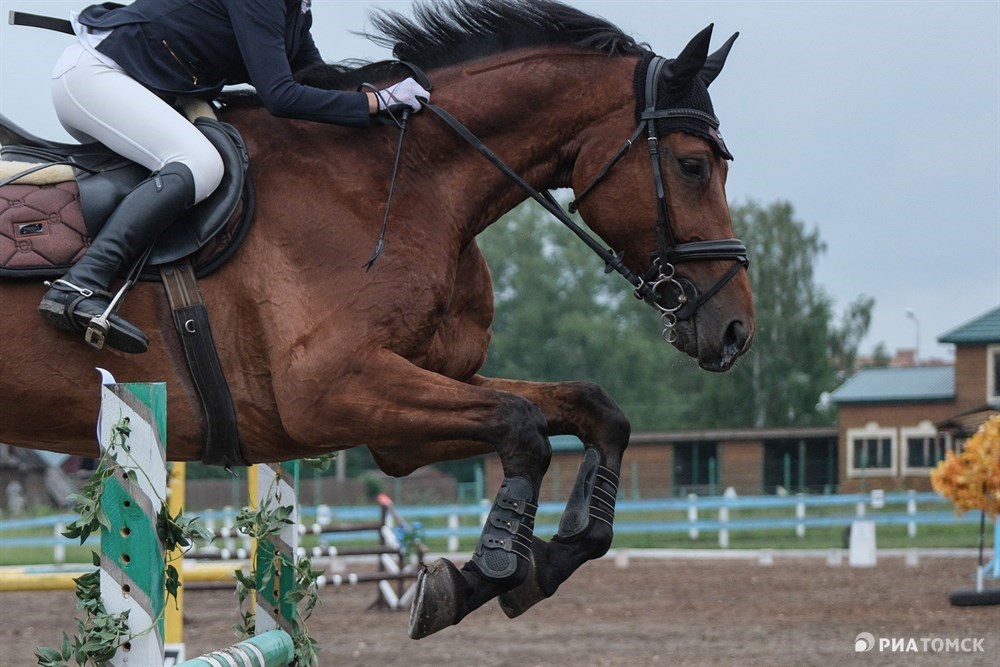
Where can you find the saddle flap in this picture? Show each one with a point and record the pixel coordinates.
(189, 234)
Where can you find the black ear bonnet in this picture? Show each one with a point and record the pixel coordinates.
(688, 91)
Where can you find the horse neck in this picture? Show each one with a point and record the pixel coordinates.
(531, 108)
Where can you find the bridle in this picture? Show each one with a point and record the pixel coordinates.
(675, 297)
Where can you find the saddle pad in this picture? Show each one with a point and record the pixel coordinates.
(41, 226)
(27, 173)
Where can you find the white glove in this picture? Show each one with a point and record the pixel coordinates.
(404, 93)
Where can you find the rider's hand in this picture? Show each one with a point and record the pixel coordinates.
(404, 93)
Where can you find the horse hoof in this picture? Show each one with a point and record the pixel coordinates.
(519, 600)
(435, 604)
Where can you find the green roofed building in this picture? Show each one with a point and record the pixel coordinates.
(895, 424)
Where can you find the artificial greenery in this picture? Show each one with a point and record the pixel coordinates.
(322, 462)
(100, 634)
(259, 524)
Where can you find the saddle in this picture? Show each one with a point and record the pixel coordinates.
(55, 197)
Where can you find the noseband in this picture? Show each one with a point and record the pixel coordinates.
(675, 297)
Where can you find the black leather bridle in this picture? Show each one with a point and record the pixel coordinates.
(675, 297)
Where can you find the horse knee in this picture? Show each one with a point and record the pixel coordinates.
(523, 447)
(614, 425)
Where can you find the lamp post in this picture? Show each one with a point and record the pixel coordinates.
(916, 323)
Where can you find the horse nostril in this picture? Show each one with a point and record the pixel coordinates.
(736, 338)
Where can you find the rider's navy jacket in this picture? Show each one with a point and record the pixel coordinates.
(195, 47)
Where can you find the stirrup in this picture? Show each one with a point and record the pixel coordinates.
(97, 330)
(99, 322)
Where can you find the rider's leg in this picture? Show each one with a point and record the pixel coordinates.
(97, 100)
(83, 292)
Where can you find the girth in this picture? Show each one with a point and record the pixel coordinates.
(221, 441)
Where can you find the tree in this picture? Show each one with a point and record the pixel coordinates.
(971, 479)
(799, 352)
(559, 317)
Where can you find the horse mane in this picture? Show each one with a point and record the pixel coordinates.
(450, 32)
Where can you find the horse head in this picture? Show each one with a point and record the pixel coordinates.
(682, 241)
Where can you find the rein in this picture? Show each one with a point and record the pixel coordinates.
(612, 260)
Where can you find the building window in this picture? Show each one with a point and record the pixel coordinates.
(923, 447)
(993, 374)
(872, 451)
(803, 465)
(696, 468)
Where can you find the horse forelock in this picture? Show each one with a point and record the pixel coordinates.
(450, 32)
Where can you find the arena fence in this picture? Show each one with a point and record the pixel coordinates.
(693, 516)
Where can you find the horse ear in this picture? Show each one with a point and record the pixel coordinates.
(714, 63)
(682, 70)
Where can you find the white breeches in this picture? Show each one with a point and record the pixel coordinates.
(98, 102)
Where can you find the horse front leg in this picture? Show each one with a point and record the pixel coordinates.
(586, 527)
(395, 403)
(502, 559)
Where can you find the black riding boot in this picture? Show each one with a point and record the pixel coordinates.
(84, 293)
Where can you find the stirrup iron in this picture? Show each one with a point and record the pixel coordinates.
(97, 330)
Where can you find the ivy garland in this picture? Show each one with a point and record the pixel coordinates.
(99, 633)
(260, 524)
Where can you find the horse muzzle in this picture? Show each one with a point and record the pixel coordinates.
(702, 333)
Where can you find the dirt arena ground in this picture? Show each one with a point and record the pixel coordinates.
(693, 613)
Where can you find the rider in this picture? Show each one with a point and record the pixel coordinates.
(117, 85)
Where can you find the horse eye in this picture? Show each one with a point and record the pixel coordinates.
(693, 167)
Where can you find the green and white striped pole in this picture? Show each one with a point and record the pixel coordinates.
(132, 562)
(270, 649)
(276, 485)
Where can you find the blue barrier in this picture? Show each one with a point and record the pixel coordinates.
(933, 510)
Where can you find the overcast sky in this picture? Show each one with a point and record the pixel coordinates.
(878, 121)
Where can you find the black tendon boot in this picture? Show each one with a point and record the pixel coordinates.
(84, 292)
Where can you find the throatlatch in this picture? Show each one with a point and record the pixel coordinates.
(592, 497)
(507, 534)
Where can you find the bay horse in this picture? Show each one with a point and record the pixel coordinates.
(322, 355)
